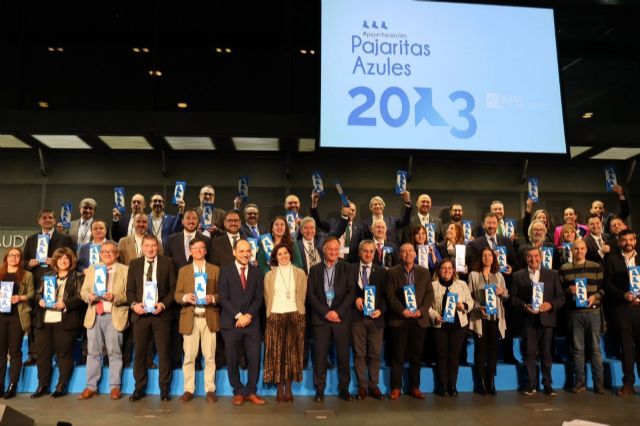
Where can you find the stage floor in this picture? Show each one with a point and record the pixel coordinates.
(468, 409)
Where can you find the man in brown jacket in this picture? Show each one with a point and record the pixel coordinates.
(197, 292)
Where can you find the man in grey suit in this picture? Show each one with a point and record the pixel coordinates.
(80, 229)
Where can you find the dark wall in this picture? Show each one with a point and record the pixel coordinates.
(72, 176)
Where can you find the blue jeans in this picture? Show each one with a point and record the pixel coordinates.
(584, 331)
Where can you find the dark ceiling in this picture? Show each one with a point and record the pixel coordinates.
(72, 67)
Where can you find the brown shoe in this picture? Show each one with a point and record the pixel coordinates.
(626, 390)
(86, 394)
(115, 394)
(362, 393)
(211, 397)
(186, 397)
(375, 393)
(415, 392)
(395, 394)
(255, 399)
(238, 400)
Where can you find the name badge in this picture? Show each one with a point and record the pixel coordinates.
(509, 227)
(581, 293)
(201, 287)
(49, 290)
(150, 295)
(42, 248)
(118, 195)
(610, 178)
(343, 196)
(449, 313)
(410, 297)
(100, 280)
(65, 215)
(94, 253)
(533, 190)
(178, 192)
(502, 257)
(6, 291)
(423, 255)
(330, 294)
(490, 299)
(466, 227)
(253, 242)
(461, 261)
(318, 187)
(369, 300)
(243, 188)
(634, 280)
(547, 257)
(431, 233)
(207, 215)
(291, 217)
(266, 242)
(537, 296)
(401, 182)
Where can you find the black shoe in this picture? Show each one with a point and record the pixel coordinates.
(549, 391)
(61, 390)
(42, 390)
(11, 391)
(481, 388)
(443, 393)
(105, 361)
(453, 392)
(491, 388)
(136, 396)
(319, 397)
(198, 366)
(345, 396)
(82, 361)
(165, 396)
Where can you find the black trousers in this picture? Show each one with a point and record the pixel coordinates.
(486, 351)
(323, 335)
(628, 319)
(237, 341)
(537, 343)
(407, 342)
(448, 341)
(11, 334)
(146, 328)
(50, 339)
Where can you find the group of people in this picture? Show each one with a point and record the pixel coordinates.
(184, 288)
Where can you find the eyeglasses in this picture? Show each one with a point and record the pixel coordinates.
(107, 251)
(14, 255)
(157, 201)
(207, 194)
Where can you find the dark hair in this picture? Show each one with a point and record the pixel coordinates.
(150, 237)
(625, 232)
(594, 215)
(63, 251)
(158, 194)
(230, 212)
(286, 237)
(192, 209)
(329, 239)
(478, 266)
(442, 262)
(4, 268)
(198, 239)
(45, 210)
(459, 232)
(414, 232)
(489, 214)
(274, 253)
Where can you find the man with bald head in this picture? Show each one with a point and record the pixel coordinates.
(123, 224)
(423, 217)
(292, 204)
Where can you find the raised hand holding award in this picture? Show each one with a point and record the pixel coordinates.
(610, 178)
(266, 242)
(318, 187)
(243, 188)
(467, 230)
(65, 215)
(533, 190)
(178, 192)
(343, 196)
(401, 182)
(118, 195)
(207, 215)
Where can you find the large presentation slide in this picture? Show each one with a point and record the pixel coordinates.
(403, 74)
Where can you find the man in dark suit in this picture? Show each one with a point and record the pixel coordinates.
(208, 196)
(386, 254)
(408, 328)
(349, 237)
(161, 224)
(491, 238)
(123, 224)
(250, 228)
(367, 330)
(597, 207)
(221, 251)
(537, 238)
(155, 324)
(394, 224)
(625, 305)
(598, 242)
(80, 229)
(538, 325)
(423, 217)
(310, 241)
(240, 292)
(177, 245)
(330, 293)
(46, 221)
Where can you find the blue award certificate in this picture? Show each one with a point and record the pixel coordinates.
(466, 227)
(369, 300)
(537, 296)
(423, 255)
(401, 182)
(42, 249)
(201, 287)
(449, 310)
(410, 297)
(581, 293)
(6, 291)
(502, 257)
(178, 192)
(634, 280)
(343, 196)
(318, 187)
(243, 188)
(100, 280)
(566, 252)
(253, 242)
(49, 290)
(533, 190)
(65, 215)
(431, 233)
(490, 299)
(118, 195)
(94, 253)
(547, 257)
(266, 242)
(610, 178)
(207, 215)
(291, 217)
(509, 227)
(149, 296)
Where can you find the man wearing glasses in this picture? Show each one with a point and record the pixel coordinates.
(123, 224)
(161, 224)
(208, 196)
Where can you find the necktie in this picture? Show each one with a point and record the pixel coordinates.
(243, 278)
(501, 227)
(347, 236)
(150, 270)
(494, 243)
(380, 254)
(235, 240)
(312, 254)
(255, 233)
(365, 278)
